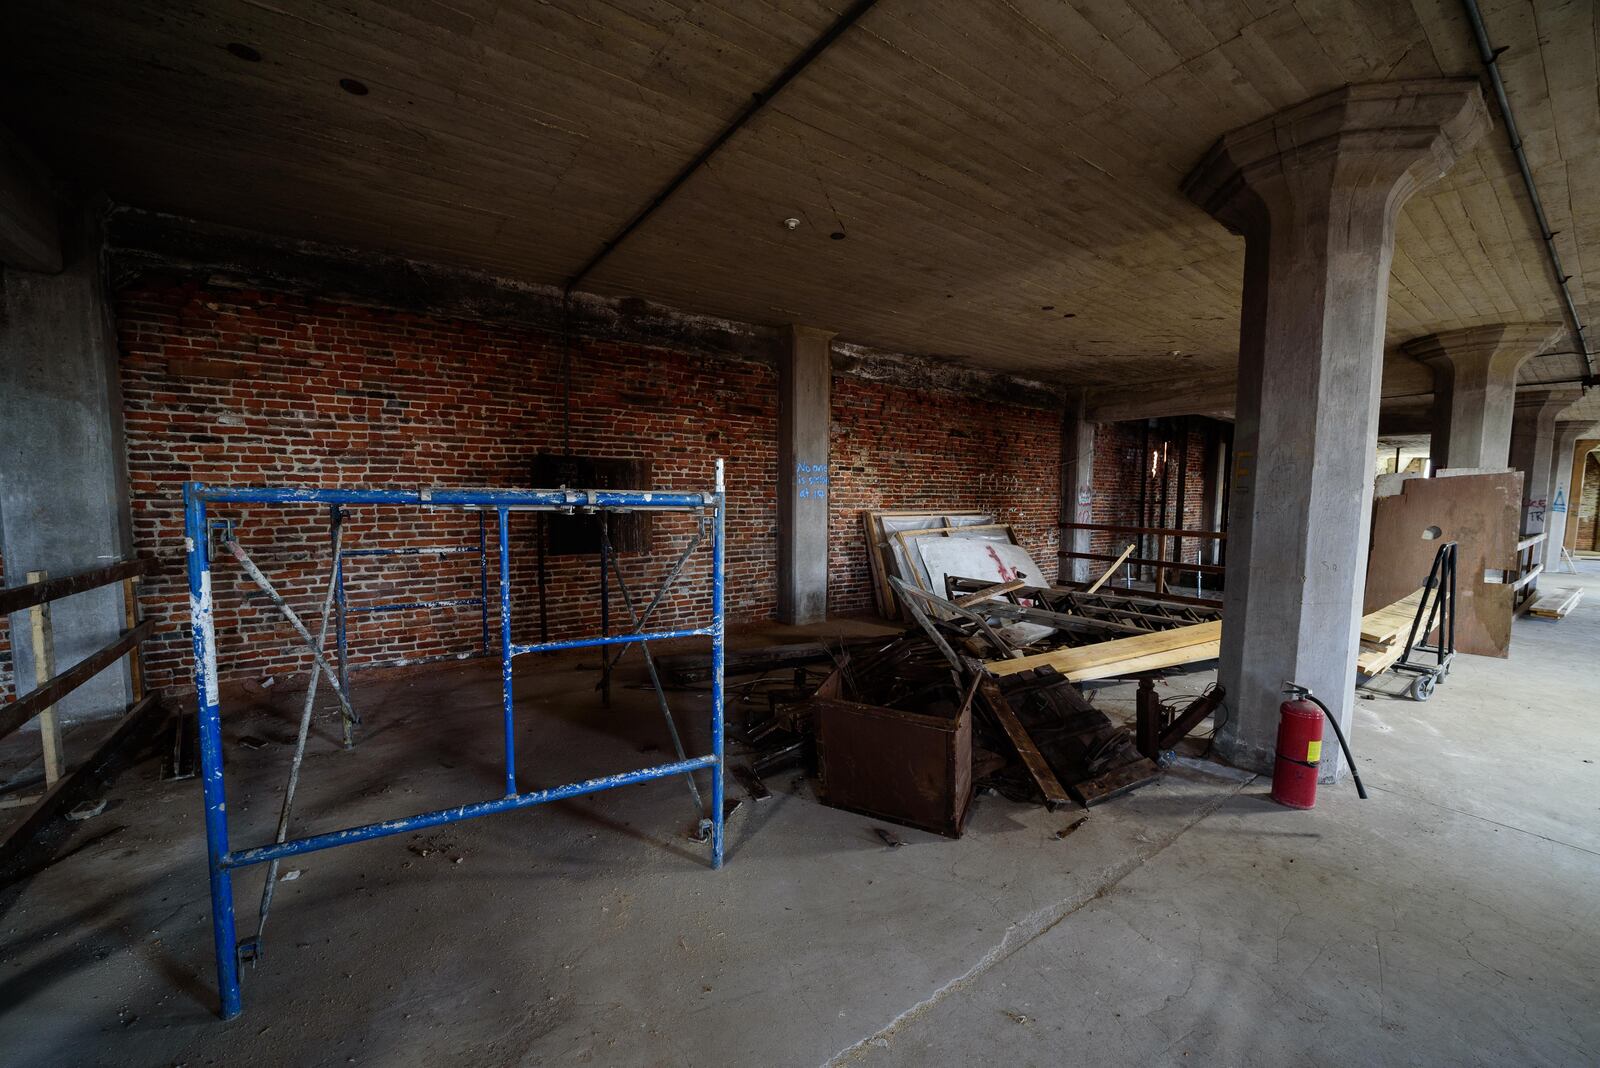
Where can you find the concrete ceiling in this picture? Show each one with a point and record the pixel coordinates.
(1005, 171)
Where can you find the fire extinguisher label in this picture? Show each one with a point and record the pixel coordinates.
(1313, 752)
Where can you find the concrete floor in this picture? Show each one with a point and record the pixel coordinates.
(1450, 919)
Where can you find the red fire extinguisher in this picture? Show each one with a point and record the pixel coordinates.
(1294, 772)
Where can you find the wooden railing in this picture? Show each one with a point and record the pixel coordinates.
(1166, 539)
(1530, 565)
(50, 687)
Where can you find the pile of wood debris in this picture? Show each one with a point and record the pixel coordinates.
(978, 693)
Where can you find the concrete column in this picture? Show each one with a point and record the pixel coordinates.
(1532, 446)
(1315, 190)
(63, 480)
(1474, 383)
(1212, 485)
(1077, 486)
(1567, 433)
(805, 392)
(30, 230)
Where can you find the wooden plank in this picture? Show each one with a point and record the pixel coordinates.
(19, 712)
(1142, 652)
(999, 589)
(19, 597)
(1537, 570)
(1377, 657)
(72, 786)
(1032, 759)
(1391, 621)
(1555, 604)
(44, 666)
(1112, 570)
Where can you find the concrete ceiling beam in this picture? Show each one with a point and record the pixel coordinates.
(30, 227)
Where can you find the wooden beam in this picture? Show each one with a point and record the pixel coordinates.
(1032, 759)
(19, 712)
(74, 784)
(1123, 656)
(1112, 570)
(17, 598)
(999, 589)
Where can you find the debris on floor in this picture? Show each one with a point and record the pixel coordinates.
(981, 693)
(1555, 604)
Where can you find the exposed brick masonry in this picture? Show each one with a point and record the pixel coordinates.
(896, 448)
(1120, 454)
(245, 387)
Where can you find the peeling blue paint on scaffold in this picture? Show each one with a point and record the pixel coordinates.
(222, 860)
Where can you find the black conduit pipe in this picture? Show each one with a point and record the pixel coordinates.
(1490, 57)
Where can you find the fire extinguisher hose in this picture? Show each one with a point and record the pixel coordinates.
(1361, 791)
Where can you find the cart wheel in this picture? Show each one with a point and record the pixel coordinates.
(1422, 687)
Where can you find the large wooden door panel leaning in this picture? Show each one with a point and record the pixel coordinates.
(1478, 512)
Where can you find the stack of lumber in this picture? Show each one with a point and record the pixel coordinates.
(1384, 633)
(1123, 656)
(1555, 604)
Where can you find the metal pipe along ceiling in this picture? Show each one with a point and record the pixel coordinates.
(1490, 57)
(757, 102)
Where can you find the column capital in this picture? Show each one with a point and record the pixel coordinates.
(1570, 430)
(810, 333)
(1501, 347)
(1387, 137)
(1540, 402)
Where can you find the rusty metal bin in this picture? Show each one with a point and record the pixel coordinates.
(905, 767)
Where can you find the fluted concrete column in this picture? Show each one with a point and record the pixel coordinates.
(1567, 433)
(1315, 190)
(1533, 428)
(1474, 385)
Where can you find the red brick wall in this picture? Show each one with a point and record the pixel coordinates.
(1120, 453)
(243, 388)
(246, 388)
(907, 449)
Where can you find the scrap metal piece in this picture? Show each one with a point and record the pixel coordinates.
(1074, 825)
(890, 839)
(751, 782)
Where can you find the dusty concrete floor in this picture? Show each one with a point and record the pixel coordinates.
(1450, 919)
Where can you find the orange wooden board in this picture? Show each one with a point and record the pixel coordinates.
(1480, 513)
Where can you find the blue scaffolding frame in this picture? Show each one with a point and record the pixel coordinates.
(343, 609)
(223, 860)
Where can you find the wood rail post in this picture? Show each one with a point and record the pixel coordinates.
(130, 619)
(44, 669)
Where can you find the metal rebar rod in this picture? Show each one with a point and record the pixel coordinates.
(655, 679)
(321, 661)
(287, 809)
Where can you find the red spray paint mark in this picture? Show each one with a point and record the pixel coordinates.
(1006, 574)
